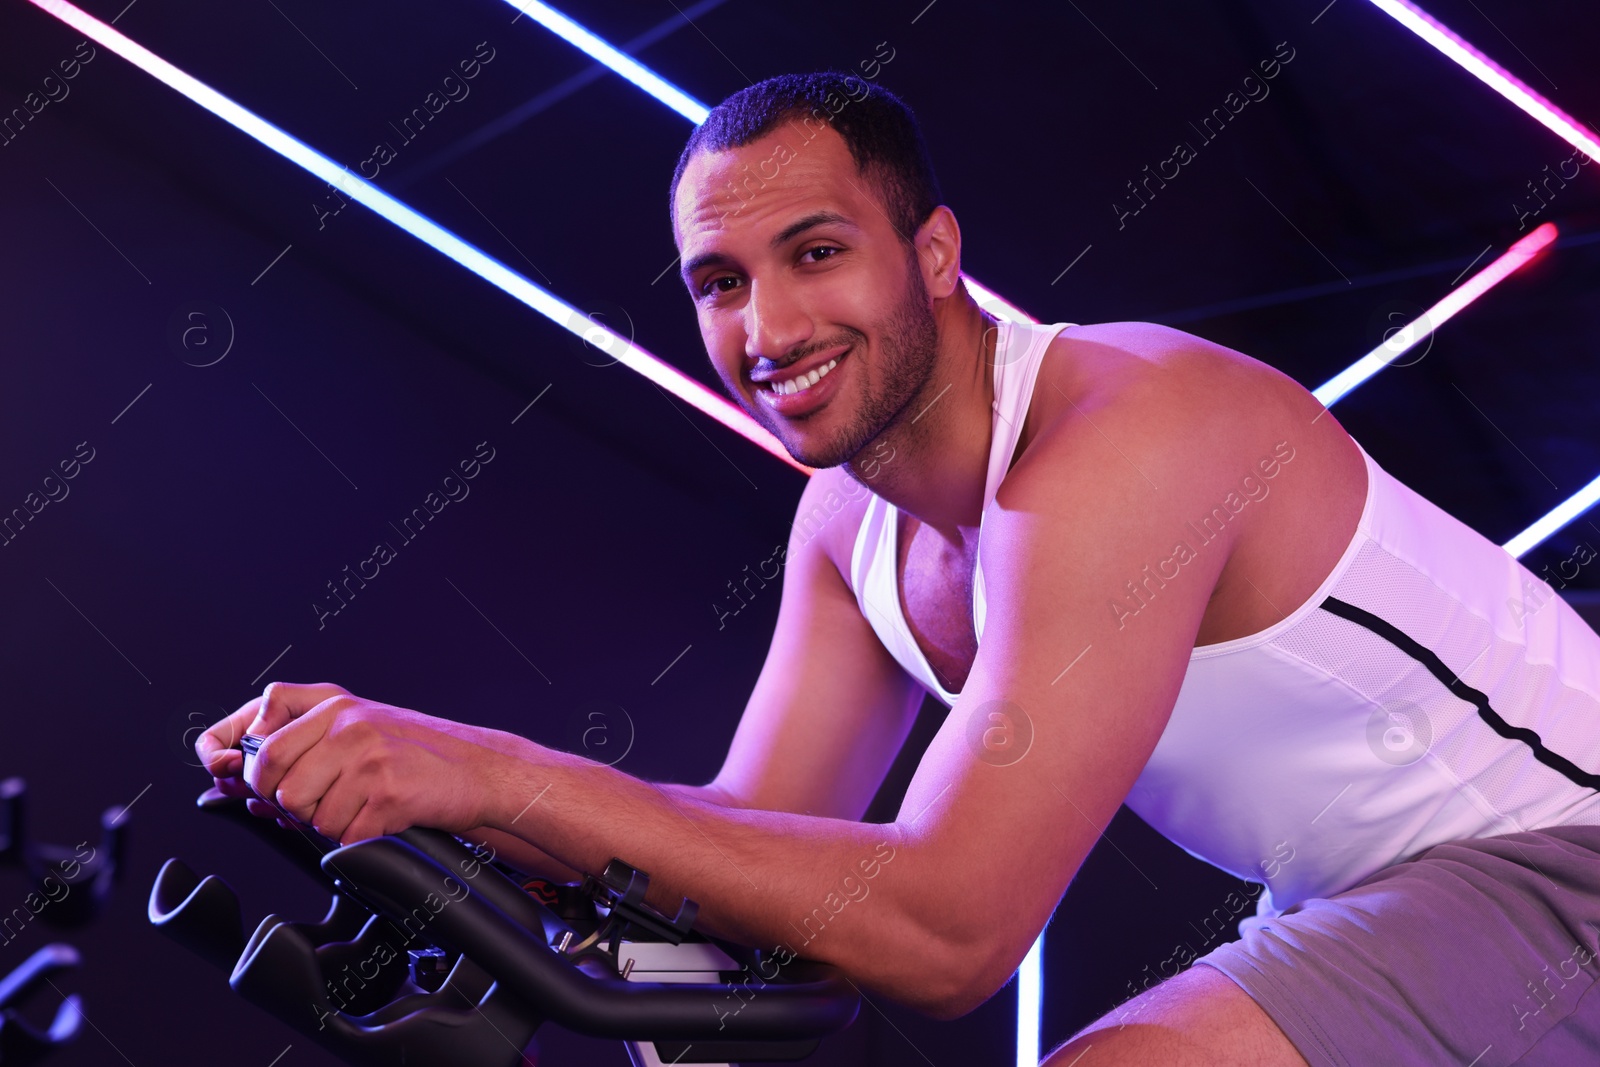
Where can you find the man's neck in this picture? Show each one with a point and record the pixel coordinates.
(933, 463)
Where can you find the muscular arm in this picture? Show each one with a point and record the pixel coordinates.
(1103, 494)
(537, 863)
(1099, 497)
(830, 709)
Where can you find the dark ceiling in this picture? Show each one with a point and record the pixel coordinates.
(1370, 173)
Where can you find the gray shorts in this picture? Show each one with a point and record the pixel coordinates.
(1480, 952)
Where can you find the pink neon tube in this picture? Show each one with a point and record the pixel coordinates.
(1491, 74)
(1421, 327)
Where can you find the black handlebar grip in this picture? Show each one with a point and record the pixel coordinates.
(397, 878)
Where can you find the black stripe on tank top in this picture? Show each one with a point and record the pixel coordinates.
(1436, 667)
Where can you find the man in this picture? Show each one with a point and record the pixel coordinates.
(1196, 594)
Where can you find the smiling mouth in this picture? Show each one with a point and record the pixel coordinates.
(800, 383)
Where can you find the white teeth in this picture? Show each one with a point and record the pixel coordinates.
(804, 381)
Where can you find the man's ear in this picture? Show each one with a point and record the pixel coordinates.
(938, 245)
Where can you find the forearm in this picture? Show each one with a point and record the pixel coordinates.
(856, 895)
(535, 862)
(512, 850)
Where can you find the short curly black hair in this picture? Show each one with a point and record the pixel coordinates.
(880, 129)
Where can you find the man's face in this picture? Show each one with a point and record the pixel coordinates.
(796, 265)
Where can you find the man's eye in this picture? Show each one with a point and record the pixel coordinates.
(705, 290)
(821, 248)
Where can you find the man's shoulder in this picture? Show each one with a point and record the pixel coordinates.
(1149, 428)
(1135, 360)
(1162, 385)
(1170, 409)
(829, 515)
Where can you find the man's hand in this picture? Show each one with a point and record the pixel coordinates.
(351, 768)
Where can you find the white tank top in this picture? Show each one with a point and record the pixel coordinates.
(1431, 689)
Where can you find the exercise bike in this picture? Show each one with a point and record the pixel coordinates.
(434, 953)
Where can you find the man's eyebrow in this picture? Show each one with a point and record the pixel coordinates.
(784, 236)
(806, 222)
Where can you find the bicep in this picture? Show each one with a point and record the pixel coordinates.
(831, 707)
(1083, 683)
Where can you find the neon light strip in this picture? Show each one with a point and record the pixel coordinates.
(1562, 125)
(492, 270)
(613, 57)
(1492, 74)
(1422, 327)
(1030, 976)
(1030, 991)
(604, 52)
(994, 303)
(1571, 508)
(424, 229)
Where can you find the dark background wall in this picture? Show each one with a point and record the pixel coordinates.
(362, 366)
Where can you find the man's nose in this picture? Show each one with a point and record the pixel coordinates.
(775, 322)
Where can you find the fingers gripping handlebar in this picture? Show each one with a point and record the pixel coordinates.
(362, 981)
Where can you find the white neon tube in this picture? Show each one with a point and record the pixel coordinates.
(654, 84)
(619, 61)
(424, 229)
(1491, 74)
(1559, 516)
(1030, 992)
(1421, 328)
